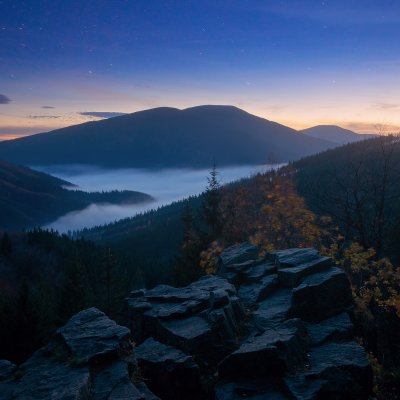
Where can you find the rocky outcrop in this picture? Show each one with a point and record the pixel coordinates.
(270, 327)
(202, 319)
(91, 357)
(275, 326)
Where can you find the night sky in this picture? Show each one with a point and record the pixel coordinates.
(297, 62)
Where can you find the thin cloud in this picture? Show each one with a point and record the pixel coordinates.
(101, 114)
(386, 106)
(4, 99)
(47, 107)
(44, 116)
(365, 127)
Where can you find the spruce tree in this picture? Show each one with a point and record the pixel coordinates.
(211, 205)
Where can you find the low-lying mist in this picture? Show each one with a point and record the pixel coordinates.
(165, 186)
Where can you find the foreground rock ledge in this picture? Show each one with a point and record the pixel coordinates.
(272, 327)
(91, 357)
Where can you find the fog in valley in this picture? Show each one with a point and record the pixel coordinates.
(166, 186)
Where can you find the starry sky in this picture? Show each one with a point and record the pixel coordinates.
(297, 62)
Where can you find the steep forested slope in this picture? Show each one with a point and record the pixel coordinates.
(29, 198)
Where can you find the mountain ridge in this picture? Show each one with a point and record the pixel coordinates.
(166, 137)
(335, 134)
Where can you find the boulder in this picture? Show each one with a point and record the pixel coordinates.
(168, 371)
(292, 276)
(337, 371)
(293, 257)
(91, 334)
(321, 296)
(269, 354)
(90, 358)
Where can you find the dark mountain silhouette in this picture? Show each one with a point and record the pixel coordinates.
(335, 134)
(29, 198)
(167, 137)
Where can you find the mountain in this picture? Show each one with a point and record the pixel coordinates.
(167, 137)
(335, 134)
(29, 198)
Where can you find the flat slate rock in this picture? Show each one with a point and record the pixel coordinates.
(255, 273)
(238, 253)
(338, 327)
(292, 276)
(321, 296)
(271, 353)
(293, 257)
(90, 333)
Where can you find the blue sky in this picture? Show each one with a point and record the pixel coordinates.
(299, 62)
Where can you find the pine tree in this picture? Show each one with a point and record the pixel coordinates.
(211, 205)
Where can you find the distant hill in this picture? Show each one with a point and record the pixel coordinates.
(167, 137)
(29, 198)
(335, 134)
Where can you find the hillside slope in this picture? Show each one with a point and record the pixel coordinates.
(29, 198)
(166, 137)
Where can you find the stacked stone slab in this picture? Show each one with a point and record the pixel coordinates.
(266, 327)
(90, 358)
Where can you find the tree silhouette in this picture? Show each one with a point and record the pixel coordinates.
(211, 205)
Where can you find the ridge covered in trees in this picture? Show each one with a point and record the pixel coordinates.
(29, 198)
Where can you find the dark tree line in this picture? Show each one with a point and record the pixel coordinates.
(44, 279)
